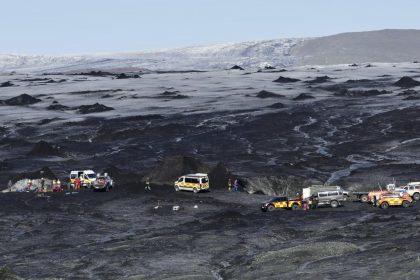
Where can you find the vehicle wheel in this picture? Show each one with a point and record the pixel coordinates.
(295, 207)
(195, 190)
(176, 188)
(334, 204)
(364, 198)
(416, 196)
(384, 205)
(270, 208)
(405, 204)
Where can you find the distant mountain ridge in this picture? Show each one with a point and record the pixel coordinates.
(390, 45)
(356, 47)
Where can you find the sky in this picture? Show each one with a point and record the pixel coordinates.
(98, 26)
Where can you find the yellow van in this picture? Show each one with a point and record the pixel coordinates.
(193, 182)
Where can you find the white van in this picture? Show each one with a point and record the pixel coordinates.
(193, 182)
(87, 177)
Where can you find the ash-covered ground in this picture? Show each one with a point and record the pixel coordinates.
(356, 126)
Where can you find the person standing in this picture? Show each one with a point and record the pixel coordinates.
(9, 185)
(375, 201)
(229, 185)
(77, 182)
(29, 186)
(147, 186)
(236, 186)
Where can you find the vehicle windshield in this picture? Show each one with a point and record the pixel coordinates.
(204, 180)
(91, 176)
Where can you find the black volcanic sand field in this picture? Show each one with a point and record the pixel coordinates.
(353, 126)
(121, 235)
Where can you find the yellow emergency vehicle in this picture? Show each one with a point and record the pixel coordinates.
(281, 202)
(193, 182)
(394, 200)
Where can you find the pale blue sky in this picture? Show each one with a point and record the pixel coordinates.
(87, 26)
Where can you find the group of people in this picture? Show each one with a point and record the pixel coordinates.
(39, 186)
(234, 187)
(42, 187)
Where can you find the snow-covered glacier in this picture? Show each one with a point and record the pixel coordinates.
(251, 54)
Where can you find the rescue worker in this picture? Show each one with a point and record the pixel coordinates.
(40, 188)
(28, 187)
(236, 186)
(304, 203)
(77, 183)
(147, 187)
(229, 185)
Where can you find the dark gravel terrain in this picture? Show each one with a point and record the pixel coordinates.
(356, 126)
(120, 234)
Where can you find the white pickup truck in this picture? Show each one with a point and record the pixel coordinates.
(413, 189)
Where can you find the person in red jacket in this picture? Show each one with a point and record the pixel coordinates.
(77, 183)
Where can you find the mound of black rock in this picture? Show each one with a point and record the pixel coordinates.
(126, 76)
(43, 148)
(407, 82)
(319, 80)
(236, 67)
(57, 106)
(285, 80)
(95, 108)
(303, 96)
(95, 73)
(21, 100)
(408, 92)
(6, 84)
(361, 81)
(51, 81)
(168, 170)
(277, 105)
(268, 94)
(219, 176)
(172, 95)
